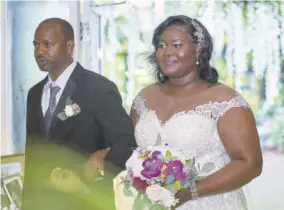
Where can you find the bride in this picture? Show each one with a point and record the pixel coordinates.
(190, 111)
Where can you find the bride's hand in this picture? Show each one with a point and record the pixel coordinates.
(183, 196)
(94, 166)
(66, 181)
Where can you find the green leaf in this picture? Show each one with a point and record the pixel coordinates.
(170, 179)
(157, 207)
(127, 192)
(141, 203)
(175, 158)
(62, 116)
(69, 101)
(160, 156)
(186, 184)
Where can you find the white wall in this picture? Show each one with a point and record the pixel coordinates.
(5, 91)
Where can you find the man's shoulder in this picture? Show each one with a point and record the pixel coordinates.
(37, 86)
(97, 80)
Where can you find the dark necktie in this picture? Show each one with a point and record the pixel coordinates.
(51, 108)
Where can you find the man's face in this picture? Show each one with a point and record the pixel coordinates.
(51, 50)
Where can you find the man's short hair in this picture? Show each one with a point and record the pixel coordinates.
(65, 26)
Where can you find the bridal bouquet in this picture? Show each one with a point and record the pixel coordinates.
(154, 175)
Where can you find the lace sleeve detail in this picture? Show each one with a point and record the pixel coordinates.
(236, 101)
(139, 104)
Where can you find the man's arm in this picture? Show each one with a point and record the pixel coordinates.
(29, 126)
(117, 127)
(32, 115)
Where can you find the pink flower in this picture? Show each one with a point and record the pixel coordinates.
(75, 107)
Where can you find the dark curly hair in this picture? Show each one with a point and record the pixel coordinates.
(206, 72)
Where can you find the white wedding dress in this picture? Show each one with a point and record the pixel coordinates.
(193, 132)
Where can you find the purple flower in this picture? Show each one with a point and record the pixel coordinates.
(175, 168)
(152, 167)
(156, 153)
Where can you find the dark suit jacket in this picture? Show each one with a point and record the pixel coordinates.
(102, 123)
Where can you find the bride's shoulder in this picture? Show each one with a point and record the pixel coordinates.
(147, 90)
(226, 98)
(146, 93)
(222, 92)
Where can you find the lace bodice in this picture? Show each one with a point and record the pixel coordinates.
(194, 133)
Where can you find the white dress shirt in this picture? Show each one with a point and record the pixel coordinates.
(60, 82)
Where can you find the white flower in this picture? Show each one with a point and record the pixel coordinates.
(135, 163)
(69, 111)
(158, 194)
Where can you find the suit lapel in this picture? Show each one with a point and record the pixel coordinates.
(67, 92)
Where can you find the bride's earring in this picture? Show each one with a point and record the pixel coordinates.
(197, 62)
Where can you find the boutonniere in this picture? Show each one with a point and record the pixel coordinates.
(71, 109)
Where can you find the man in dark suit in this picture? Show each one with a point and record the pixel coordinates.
(75, 119)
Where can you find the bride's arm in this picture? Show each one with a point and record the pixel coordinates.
(237, 130)
(137, 108)
(133, 116)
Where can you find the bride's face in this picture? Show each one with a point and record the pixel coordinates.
(176, 52)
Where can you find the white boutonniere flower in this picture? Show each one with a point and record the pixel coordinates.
(71, 109)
